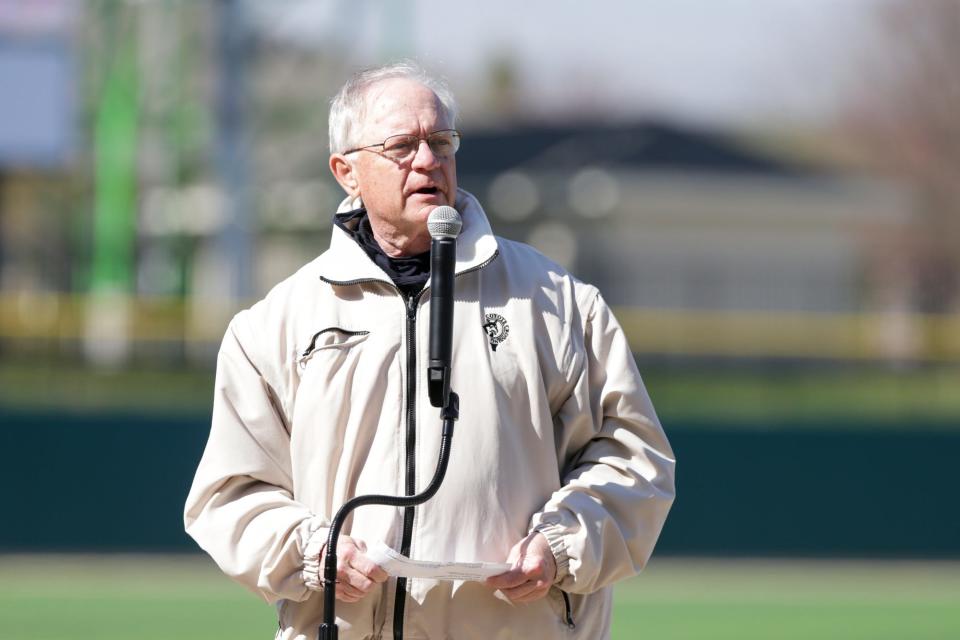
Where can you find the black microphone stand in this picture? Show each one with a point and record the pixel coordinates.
(444, 225)
(449, 415)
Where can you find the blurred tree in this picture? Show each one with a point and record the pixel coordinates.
(906, 117)
(115, 144)
(503, 80)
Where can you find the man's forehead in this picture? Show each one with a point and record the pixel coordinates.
(394, 102)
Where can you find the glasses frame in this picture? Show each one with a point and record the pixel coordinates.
(426, 138)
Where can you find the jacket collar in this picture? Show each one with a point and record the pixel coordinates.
(346, 261)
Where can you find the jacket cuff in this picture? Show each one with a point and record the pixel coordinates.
(313, 558)
(554, 535)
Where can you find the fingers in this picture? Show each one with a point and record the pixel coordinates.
(365, 566)
(533, 571)
(348, 593)
(507, 580)
(519, 585)
(352, 585)
(527, 592)
(525, 588)
(357, 575)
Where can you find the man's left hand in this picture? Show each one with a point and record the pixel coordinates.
(533, 572)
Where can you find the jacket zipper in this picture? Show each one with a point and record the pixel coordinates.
(495, 255)
(411, 441)
(411, 456)
(567, 611)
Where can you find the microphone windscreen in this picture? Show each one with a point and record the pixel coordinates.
(444, 222)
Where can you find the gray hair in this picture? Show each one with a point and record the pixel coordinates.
(348, 106)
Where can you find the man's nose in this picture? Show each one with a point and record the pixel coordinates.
(425, 158)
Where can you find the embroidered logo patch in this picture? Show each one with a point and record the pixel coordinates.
(496, 328)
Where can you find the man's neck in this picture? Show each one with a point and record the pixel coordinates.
(409, 273)
(396, 245)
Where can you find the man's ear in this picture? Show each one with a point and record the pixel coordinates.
(345, 174)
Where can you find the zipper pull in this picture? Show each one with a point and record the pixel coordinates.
(412, 306)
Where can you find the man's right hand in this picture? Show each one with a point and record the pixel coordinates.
(356, 573)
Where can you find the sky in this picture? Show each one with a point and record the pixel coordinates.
(714, 61)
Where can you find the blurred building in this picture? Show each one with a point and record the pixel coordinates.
(670, 217)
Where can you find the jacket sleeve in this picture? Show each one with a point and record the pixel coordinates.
(618, 482)
(240, 508)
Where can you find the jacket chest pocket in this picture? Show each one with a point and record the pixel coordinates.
(330, 343)
(333, 357)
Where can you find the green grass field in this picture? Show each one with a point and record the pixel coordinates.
(185, 598)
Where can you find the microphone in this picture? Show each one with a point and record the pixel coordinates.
(444, 224)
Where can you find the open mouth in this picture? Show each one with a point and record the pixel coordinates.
(428, 191)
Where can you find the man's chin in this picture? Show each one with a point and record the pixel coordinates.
(423, 209)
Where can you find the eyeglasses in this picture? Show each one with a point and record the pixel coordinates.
(403, 147)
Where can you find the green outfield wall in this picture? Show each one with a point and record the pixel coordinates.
(117, 483)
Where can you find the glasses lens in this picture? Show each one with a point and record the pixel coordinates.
(444, 143)
(400, 147)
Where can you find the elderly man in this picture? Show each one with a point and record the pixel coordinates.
(559, 466)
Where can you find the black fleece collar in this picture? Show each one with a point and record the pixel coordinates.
(409, 273)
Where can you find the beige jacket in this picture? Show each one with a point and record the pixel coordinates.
(320, 396)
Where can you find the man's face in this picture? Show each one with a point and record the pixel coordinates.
(400, 195)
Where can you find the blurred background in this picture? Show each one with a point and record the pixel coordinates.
(767, 192)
